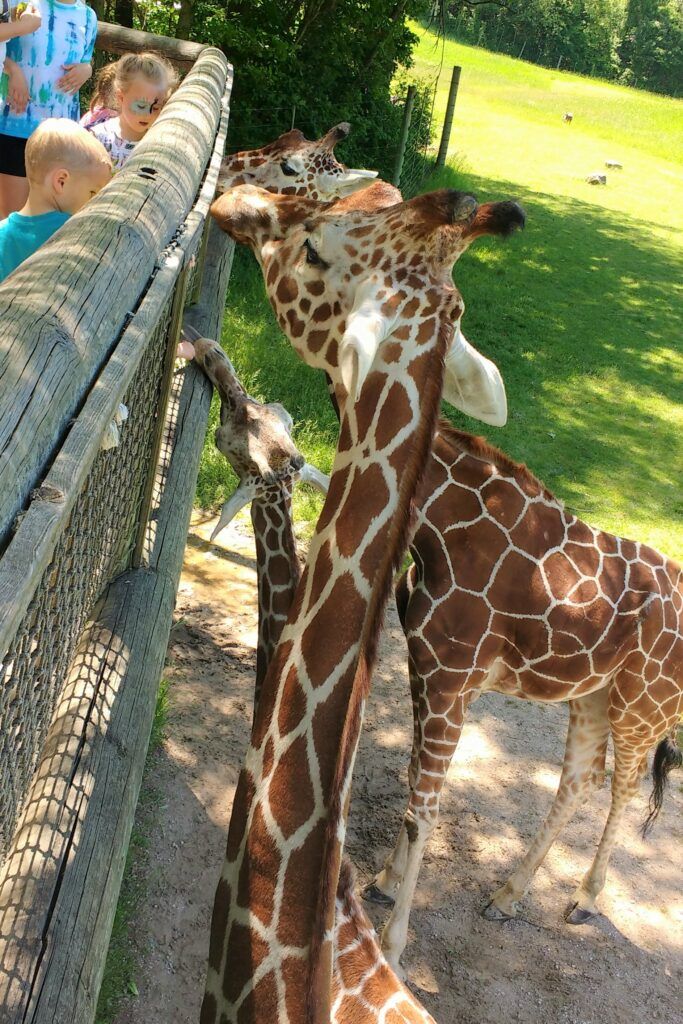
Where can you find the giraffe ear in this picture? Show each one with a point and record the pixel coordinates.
(473, 383)
(242, 496)
(365, 330)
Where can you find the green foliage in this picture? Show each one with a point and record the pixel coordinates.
(637, 41)
(651, 50)
(308, 62)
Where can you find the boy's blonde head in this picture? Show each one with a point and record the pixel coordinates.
(61, 143)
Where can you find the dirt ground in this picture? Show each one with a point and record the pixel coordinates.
(625, 968)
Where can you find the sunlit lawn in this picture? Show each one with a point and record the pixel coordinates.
(582, 312)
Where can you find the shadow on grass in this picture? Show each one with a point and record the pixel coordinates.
(583, 315)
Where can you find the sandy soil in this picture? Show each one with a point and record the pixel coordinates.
(626, 968)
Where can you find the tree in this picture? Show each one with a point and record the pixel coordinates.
(651, 51)
(316, 62)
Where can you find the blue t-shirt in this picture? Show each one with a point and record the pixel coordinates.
(66, 36)
(20, 236)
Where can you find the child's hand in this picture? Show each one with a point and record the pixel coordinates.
(76, 76)
(29, 21)
(17, 91)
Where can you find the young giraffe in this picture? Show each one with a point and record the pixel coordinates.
(379, 309)
(361, 976)
(509, 592)
(256, 440)
(294, 166)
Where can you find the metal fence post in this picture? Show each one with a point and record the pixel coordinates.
(407, 115)
(448, 122)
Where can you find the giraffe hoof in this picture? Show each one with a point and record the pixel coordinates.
(373, 894)
(493, 913)
(574, 914)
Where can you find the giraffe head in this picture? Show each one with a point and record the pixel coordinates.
(346, 278)
(293, 165)
(255, 438)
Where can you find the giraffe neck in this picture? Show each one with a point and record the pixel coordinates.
(278, 570)
(273, 915)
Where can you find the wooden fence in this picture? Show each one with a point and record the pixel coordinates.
(93, 520)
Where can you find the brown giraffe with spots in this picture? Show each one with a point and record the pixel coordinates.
(256, 439)
(295, 166)
(380, 331)
(509, 592)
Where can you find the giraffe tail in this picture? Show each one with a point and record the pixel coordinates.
(667, 757)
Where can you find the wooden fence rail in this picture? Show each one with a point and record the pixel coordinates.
(89, 573)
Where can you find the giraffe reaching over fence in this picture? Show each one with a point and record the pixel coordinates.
(256, 439)
(368, 297)
(360, 972)
(295, 166)
(509, 592)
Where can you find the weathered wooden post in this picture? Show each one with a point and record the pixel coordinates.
(405, 128)
(448, 122)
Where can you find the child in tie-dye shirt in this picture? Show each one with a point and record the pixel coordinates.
(55, 61)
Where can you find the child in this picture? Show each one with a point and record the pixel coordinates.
(55, 62)
(15, 22)
(137, 86)
(65, 167)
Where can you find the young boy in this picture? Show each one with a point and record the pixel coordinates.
(47, 70)
(65, 166)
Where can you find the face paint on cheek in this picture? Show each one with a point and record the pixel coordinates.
(141, 108)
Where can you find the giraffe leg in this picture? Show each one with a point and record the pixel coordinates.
(583, 764)
(632, 741)
(384, 887)
(440, 735)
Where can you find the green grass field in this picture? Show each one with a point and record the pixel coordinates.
(582, 312)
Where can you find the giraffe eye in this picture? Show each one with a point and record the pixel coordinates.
(291, 172)
(312, 255)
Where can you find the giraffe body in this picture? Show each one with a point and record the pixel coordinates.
(509, 592)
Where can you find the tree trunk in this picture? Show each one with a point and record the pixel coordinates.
(123, 13)
(184, 26)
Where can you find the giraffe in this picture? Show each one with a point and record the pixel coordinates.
(295, 166)
(509, 592)
(360, 973)
(368, 297)
(291, 165)
(256, 439)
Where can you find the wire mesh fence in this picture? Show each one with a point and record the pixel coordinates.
(106, 525)
(95, 546)
(418, 160)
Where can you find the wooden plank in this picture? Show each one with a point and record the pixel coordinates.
(59, 887)
(60, 883)
(31, 549)
(119, 39)
(62, 311)
(194, 401)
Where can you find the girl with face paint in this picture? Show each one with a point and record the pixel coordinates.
(129, 95)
